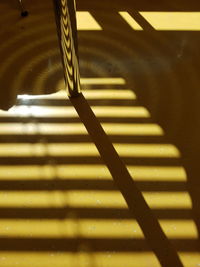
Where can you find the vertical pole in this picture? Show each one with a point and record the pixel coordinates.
(24, 12)
(65, 14)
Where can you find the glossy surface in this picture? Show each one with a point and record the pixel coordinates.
(59, 206)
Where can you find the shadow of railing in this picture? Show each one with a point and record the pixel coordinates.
(148, 61)
(70, 173)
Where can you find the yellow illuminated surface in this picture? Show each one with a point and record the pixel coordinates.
(91, 228)
(106, 259)
(85, 21)
(147, 150)
(89, 94)
(168, 200)
(109, 94)
(78, 128)
(130, 20)
(106, 111)
(132, 129)
(80, 259)
(173, 21)
(62, 94)
(88, 149)
(71, 226)
(128, 112)
(91, 199)
(140, 173)
(158, 173)
(100, 80)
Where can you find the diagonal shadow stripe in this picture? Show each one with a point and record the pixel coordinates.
(128, 188)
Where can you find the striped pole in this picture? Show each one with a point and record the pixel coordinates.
(65, 14)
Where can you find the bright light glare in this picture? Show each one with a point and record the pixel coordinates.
(104, 111)
(173, 21)
(130, 20)
(62, 94)
(24, 97)
(23, 110)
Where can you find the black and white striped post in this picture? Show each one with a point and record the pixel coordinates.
(65, 13)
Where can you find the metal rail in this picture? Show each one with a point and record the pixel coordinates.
(65, 14)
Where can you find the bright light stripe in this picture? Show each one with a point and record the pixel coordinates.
(89, 94)
(11, 128)
(106, 259)
(57, 149)
(190, 259)
(109, 94)
(179, 229)
(173, 21)
(105, 81)
(20, 172)
(85, 21)
(147, 150)
(52, 111)
(101, 228)
(78, 259)
(71, 228)
(130, 20)
(39, 111)
(43, 128)
(141, 129)
(147, 129)
(31, 199)
(97, 199)
(158, 173)
(99, 172)
(59, 199)
(87, 149)
(168, 200)
(139, 173)
(73, 149)
(81, 259)
(62, 94)
(121, 112)
(103, 259)
(21, 150)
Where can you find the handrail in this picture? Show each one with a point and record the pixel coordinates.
(65, 14)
